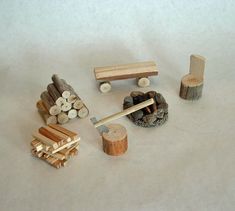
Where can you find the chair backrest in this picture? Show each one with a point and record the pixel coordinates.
(197, 66)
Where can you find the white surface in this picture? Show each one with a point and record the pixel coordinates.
(187, 164)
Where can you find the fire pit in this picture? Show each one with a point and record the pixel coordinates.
(151, 116)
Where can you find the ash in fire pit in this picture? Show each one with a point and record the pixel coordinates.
(151, 116)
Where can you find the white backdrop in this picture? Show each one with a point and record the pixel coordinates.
(187, 164)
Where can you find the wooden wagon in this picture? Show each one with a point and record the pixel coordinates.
(141, 71)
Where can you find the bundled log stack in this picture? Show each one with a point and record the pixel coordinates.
(60, 102)
(150, 116)
(55, 144)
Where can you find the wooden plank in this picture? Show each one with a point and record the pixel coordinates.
(55, 155)
(37, 145)
(63, 130)
(197, 66)
(51, 135)
(65, 137)
(49, 119)
(118, 72)
(65, 146)
(45, 140)
(67, 150)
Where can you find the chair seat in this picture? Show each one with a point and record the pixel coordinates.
(191, 81)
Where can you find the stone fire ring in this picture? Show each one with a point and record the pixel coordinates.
(153, 115)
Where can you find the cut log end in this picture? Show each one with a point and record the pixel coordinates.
(60, 101)
(115, 141)
(63, 118)
(83, 112)
(51, 120)
(78, 104)
(72, 114)
(66, 94)
(66, 106)
(55, 110)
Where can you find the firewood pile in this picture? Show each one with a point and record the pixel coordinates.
(60, 103)
(55, 145)
(151, 116)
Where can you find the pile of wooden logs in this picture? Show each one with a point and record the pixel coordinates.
(55, 145)
(150, 116)
(59, 103)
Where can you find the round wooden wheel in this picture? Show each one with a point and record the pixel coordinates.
(115, 141)
(191, 87)
(143, 82)
(105, 87)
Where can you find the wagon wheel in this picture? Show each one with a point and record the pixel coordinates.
(105, 87)
(143, 82)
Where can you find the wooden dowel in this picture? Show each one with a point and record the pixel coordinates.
(65, 146)
(49, 119)
(66, 106)
(37, 145)
(62, 118)
(72, 114)
(49, 134)
(61, 86)
(54, 93)
(45, 140)
(125, 112)
(63, 136)
(50, 104)
(78, 104)
(83, 112)
(63, 130)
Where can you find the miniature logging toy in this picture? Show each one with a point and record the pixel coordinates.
(114, 136)
(60, 103)
(141, 71)
(192, 83)
(55, 145)
(153, 115)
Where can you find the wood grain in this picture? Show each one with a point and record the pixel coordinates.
(63, 130)
(118, 72)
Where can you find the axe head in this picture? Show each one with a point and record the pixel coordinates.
(102, 129)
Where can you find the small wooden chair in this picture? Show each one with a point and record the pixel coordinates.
(192, 83)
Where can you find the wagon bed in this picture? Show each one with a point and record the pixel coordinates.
(119, 72)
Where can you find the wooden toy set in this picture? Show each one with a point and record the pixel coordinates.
(59, 103)
(55, 144)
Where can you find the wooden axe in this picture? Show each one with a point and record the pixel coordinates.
(100, 124)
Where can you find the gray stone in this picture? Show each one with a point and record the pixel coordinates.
(136, 93)
(160, 113)
(149, 119)
(137, 115)
(128, 99)
(159, 99)
(127, 105)
(163, 106)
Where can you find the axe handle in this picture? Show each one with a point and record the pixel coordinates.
(125, 112)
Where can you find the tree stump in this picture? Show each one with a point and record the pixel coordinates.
(115, 141)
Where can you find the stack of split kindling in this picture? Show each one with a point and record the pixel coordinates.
(55, 145)
(59, 103)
